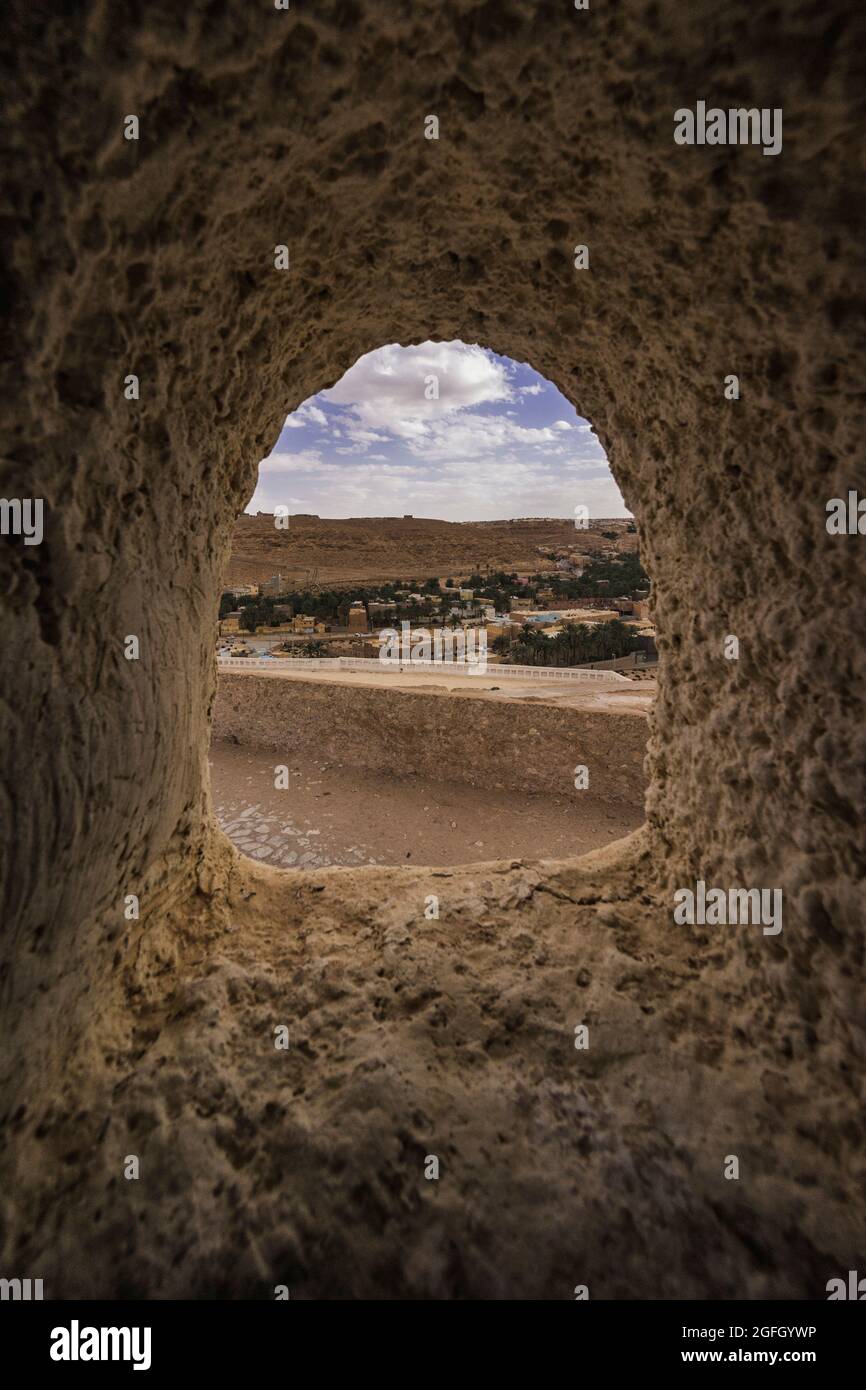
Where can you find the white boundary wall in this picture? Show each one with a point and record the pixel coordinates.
(452, 668)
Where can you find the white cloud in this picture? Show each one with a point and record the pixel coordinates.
(458, 490)
(474, 435)
(306, 414)
(386, 389)
(360, 438)
(306, 461)
(449, 457)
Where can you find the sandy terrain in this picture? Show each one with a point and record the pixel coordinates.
(336, 815)
(376, 549)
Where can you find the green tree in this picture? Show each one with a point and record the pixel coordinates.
(577, 644)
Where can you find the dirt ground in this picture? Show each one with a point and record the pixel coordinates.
(335, 815)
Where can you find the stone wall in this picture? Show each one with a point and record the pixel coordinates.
(305, 127)
(459, 737)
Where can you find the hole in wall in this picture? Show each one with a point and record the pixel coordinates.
(440, 504)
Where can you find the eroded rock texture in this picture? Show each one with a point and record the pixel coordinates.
(261, 127)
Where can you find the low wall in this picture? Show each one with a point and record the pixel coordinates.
(577, 674)
(634, 661)
(452, 736)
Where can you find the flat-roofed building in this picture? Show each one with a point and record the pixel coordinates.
(357, 618)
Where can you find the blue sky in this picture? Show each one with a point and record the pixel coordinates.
(498, 441)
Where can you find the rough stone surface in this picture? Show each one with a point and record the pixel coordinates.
(261, 127)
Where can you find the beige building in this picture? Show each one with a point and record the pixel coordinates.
(357, 619)
(585, 615)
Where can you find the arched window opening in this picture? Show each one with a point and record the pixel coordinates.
(435, 643)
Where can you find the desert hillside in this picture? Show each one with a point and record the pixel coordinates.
(385, 548)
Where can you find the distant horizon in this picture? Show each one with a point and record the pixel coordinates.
(450, 426)
(411, 516)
